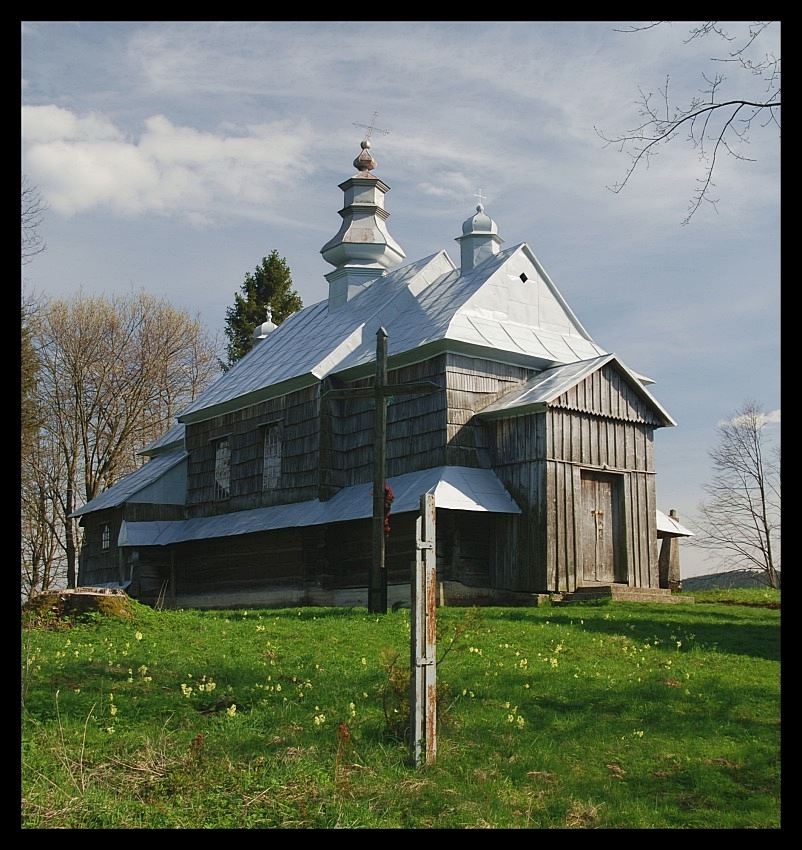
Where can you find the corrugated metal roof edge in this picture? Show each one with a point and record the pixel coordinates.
(315, 512)
(667, 526)
(500, 409)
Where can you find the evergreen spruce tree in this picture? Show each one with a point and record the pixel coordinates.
(270, 286)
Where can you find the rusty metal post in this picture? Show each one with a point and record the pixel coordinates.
(423, 657)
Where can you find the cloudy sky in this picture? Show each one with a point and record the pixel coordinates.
(173, 156)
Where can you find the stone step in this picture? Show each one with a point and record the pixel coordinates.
(623, 593)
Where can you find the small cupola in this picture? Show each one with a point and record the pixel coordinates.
(264, 329)
(479, 240)
(362, 249)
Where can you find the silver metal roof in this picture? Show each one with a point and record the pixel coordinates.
(148, 475)
(454, 487)
(506, 307)
(171, 439)
(550, 384)
(667, 526)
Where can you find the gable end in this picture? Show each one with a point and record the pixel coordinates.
(610, 393)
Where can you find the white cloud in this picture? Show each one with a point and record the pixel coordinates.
(45, 124)
(84, 163)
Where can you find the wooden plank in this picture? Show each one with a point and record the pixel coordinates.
(423, 639)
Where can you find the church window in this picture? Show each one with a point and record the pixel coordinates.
(271, 470)
(106, 538)
(222, 469)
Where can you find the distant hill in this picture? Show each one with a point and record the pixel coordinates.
(725, 581)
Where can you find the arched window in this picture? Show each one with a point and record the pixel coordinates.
(106, 539)
(271, 469)
(222, 469)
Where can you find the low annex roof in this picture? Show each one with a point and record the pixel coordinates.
(668, 526)
(549, 385)
(454, 487)
(150, 474)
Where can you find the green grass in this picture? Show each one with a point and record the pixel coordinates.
(595, 715)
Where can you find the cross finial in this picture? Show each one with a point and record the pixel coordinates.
(481, 198)
(371, 127)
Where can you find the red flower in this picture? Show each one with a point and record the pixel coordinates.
(389, 498)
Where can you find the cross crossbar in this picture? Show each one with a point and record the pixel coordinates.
(380, 391)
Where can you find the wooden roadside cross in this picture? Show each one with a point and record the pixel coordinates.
(380, 392)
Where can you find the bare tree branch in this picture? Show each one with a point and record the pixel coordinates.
(112, 375)
(33, 210)
(740, 522)
(710, 124)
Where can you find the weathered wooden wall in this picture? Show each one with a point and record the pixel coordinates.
(606, 424)
(101, 566)
(464, 550)
(600, 424)
(97, 565)
(254, 560)
(415, 429)
(297, 415)
(472, 384)
(519, 461)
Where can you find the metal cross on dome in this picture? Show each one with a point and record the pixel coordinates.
(482, 198)
(371, 127)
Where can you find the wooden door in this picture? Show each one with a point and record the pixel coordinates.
(601, 531)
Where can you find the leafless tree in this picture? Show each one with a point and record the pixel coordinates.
(43, 555)
(713, 122)
(113, 375)
(33, 210)
(739, 525)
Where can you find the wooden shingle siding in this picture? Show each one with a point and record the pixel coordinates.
(415, 427)
(257, 560)
(146, 511)
(348, 551)
(99, 565)
(298, 414)
(152, 574)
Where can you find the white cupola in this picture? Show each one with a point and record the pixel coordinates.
(479, 240)
(362, 250)
(264, 329)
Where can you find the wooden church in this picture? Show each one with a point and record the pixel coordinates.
(537, 445)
